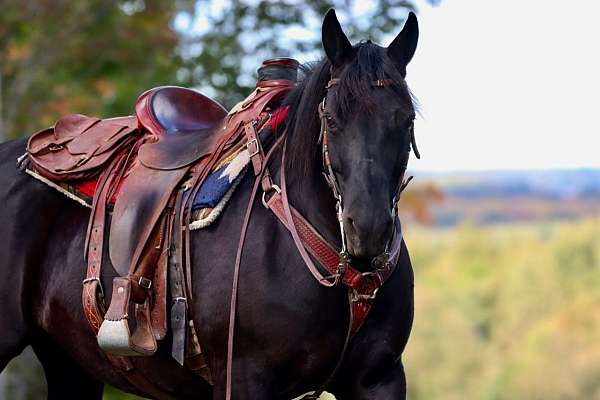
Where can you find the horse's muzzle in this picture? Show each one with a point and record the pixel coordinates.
(367, 236)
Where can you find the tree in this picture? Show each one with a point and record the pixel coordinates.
(96, 56)
(89, 56)
(225, 44)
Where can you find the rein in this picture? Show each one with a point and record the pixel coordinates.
(362, 286)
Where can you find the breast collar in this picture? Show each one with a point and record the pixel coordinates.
(338, 270)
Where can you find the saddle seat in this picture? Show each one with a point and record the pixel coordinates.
(167, 110)
(181, 120)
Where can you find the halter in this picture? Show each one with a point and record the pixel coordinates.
(381, 261)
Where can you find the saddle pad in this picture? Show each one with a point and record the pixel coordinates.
(209, 202)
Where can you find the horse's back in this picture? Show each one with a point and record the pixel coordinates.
(23, 232)
(27, 207)
(26, 214)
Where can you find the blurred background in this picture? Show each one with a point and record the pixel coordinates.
(503, 217)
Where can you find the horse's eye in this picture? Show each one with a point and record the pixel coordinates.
(331, 124)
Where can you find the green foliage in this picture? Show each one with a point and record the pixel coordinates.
(89, 56)
(507, 312)
(224, 54)
(95, 57)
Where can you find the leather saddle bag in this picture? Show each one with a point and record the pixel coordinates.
(78, 147)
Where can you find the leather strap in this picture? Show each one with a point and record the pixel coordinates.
(93, 251)
(236, 269)
(255, 151)
(292, 226)
(364, 285)
(177, 286)
(93, 310)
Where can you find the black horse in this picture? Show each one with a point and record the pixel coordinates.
(289, 330)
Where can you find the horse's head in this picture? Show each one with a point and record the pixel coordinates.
(367, 118)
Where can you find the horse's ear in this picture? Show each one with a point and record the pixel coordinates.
(337, 46)
(403, 47)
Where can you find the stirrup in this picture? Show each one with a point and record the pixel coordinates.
(115, 336)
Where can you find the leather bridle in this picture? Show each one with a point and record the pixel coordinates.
(334, 185)
(362, 286)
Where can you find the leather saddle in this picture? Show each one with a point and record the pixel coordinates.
(150, 153)
(178, 132)
(174, 122)
(151, 159)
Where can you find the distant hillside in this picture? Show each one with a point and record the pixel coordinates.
(513, 196)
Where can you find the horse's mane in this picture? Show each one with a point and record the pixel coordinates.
(354, 94)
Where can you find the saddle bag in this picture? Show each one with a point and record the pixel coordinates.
(79, 147)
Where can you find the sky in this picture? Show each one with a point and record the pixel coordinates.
(507, 84)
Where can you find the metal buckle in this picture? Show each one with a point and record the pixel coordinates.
(264, 195)
(55, 147)
(381, 82)
(145, 282)
(366, 297)
(257, 148)
(382, 261)
(342, 267)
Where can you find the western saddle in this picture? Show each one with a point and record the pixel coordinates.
(153, 163)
